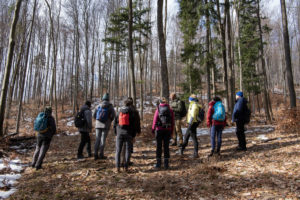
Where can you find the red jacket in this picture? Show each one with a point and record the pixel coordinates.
(155, 119)
(209, 119)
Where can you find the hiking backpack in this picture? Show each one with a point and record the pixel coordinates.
(183, 110)
(102, 114)
(165, 118)
(201, 114)
(247, 114)
(124, 119)
(41, 123)
(79, 119)
(219, 112)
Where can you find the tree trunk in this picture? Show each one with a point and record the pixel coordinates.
(10, 54)
(162, 50)
(208, 56)
(131, 58)
(289, 71)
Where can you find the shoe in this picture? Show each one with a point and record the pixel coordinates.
(180, 145)
(211, 153)
(130, 163)
(96, 158)
(158, 164)
(90, 155)
(33, 165)
(103, 157)
(181, 151)
(195, 155)
(174, 144)
(218, 152)
(118, 170)
(80, 157)
(38, 168)
(241, 148)
(166, 163)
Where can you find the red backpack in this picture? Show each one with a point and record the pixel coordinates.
(124, 119)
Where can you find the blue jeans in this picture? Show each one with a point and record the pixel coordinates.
(216, 130)
(101, 135)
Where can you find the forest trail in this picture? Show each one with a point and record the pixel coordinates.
(269, 169)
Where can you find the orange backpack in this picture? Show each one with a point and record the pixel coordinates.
(124, 119)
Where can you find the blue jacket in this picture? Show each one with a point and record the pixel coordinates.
(239, 110)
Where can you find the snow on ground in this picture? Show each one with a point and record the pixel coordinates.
(9, 180)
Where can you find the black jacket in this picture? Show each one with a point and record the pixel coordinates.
(128, 130)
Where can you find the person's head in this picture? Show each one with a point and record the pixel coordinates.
(163, 100)
(88, 103)
(127, 102)
(239, 94)
(105, 97)
(193, 97)
(173, 96)
(217, 99)
(48, 110)
(130, 100)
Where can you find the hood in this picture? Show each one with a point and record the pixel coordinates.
(84, 107)
(104, 104)
(163, 104)
(212, 103)
(242, 99)
(125, 109)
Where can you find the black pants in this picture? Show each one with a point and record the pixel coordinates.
(120, 141)
(240, 133)
(191, 132)
(42, 146)
(162, 137)
(85, 139)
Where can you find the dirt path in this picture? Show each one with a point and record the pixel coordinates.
(268, 170)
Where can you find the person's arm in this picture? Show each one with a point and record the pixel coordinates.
(138, 122)
(238, 108)
(209, 116)
(95, 113)
(154, 121)
(193, 113)
(116, 122)
(88, 117)
(173, 121)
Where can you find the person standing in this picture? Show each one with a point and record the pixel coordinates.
(193, 121)
(125, 131)
(179, 109)
(85, 130)
(216, 121)
(239, 116)
(104, 115)
(162, 127)
(44, 137)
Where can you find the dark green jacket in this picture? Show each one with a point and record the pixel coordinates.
(177, 107)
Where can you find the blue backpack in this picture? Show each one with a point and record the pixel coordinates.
(219, 112)
(41, 123)
(102, 114)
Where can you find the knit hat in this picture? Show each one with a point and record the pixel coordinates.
(105, 97)
(48, 110)
(88, 103)
(163, 100)
(239, 93)
(193, 97)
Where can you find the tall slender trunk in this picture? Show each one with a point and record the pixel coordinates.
(162, 50)
(10, 54)
(287, 52)
(208, 56)
(131, 58)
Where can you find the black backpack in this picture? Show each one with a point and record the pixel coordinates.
(79, 119)
(201, 114)
(247, 114)
(165, 118)
(183, 111)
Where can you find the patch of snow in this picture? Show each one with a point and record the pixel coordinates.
(72, 134)
(13, 165)
(262, 137)
(70, 123)
(6, 194)
(28, 119)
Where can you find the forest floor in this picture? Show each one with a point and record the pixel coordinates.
(268, 170)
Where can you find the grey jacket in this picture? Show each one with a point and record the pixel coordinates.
(111, 115)
(87, 128)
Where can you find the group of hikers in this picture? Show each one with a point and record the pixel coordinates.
(167, 124)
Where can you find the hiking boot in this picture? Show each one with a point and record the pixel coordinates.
(196, 155)
(158, 163)
(38, 167)
(241, 148)
(102, 157)
(96, 157)
(181, 151)
(80, 157)
(180, 145)
(166, 163)
(218, 152)
(211, 153)
(118, 170)
(90, 155)
(130, 163)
